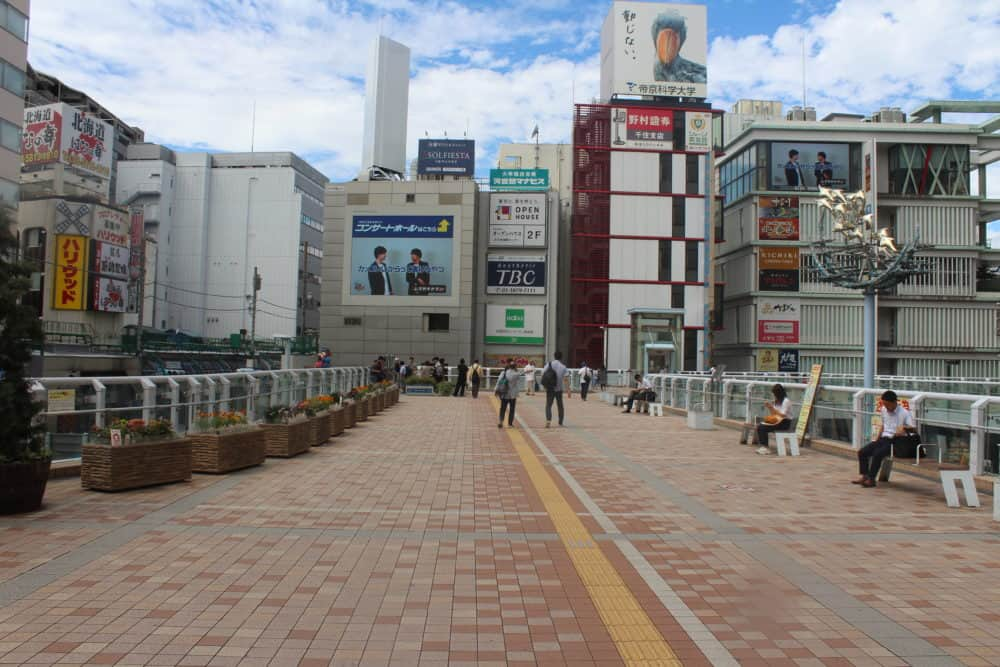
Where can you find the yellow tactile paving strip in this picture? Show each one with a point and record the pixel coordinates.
(637, 639)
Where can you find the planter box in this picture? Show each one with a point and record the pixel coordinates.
(420, 390)
(224, 452)
(363, 410)
(700, 420)
(350, 414)
(108, 468)
(381, 401)
(287, 440)
(22, 485)
(319, 429)
(338, 421)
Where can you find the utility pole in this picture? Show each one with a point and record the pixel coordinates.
(253, 318)
(142, 297)
(305, 268)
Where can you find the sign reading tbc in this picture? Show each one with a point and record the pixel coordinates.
(515, 275)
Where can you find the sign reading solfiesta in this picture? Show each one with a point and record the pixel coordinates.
(515, 325)
(515, 274)
(519, 180)
(455, 157)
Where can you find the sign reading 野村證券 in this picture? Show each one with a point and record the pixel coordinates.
(517, 220)
(515, 275)
(515, 325)
(519, 180)
(642, 127)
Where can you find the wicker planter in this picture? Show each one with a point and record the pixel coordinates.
(22, 485)
(393, 395)
(319, 429)
(380, 401)
(363, 410)
(338, 421)
(227, 451)
(350, 414)
(107, 468)
(287, 440)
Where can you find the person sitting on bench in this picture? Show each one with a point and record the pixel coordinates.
(897, 423)
(643, 392)
(779, 417)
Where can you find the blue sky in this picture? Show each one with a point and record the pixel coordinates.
(188, 71)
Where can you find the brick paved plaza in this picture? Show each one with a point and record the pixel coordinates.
(426, 536)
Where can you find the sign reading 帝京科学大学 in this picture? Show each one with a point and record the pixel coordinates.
(519, 180)
(515, 325)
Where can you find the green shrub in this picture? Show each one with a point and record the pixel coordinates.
(444, 388)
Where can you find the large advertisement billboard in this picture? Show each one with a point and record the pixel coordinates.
(60, 133)
(42, 135)
(779, 269)
(108, 295)
(517, 220)
(520, 274)
(655, 49)
(778, 219)
(778, 321)
(515, 325)
(110, 260)
(806, 166)
(639, 127)
(403, 258)
(455, 157)
(70, 275)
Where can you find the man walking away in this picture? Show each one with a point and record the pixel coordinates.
(463, 372)
(897, 422)
(508, 386)
(531, 384)
(643, 390)
(552, 379)
(586, 375)
(475, 377)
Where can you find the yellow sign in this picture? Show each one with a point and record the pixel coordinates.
(779, 257)
(767, 360)
(62, 400)
(69, 284)
(807, 401)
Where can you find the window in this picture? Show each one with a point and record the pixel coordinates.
(929, 169)
(677, 296)
(437, 321)
(665, 264)
(717, 318)
(690, 350)
(314, 252)
(9, 193)
(691, 174)
(680, 133)
(352, 321)
(691, 262)
(311, 223)
(14, 21)
(13, 79)
(679, 218)
(666, 172)
(736, 175)
(411, 198)
(10, 136)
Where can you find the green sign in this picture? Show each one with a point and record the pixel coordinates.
(519, 180)
(515, 325)
(514, 318)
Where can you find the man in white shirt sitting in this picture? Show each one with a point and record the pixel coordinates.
(897, 422)
(642, 392)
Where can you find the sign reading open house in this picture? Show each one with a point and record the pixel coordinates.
(515, 274)
(517, 220)
(515, 325)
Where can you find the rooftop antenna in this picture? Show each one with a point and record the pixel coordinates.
(253, 123)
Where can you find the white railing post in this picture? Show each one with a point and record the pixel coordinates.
(310, 388)
(194, 400)
(858, 428)
(226, 394)
(148, 399)
(175, 399)
(252, 383)
(210, 393)
(977, 435)
(724, 412)
(100, 402)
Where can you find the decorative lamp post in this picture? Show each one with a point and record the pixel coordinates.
(858, 255)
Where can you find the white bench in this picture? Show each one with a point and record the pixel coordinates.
(789, 439)
(656, 409)
(949, 478)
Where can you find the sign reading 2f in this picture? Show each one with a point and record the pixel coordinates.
(515, 275)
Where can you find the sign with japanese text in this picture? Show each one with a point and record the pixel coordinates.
(654, 48)
(70, 274)
(515, 325)
(517, 220)
(111, 226)
(137, 242)
(108, 295)
(60, 133)
(519, 180)
(41, 135)
(788, 361)
(778, 218)
(403, 259)
(808, 398)
(779, 269)
(110, 260)
(61, 400)
(778, 320)
(515, 274)
(642, 127)
(456, 157)
(698, 131)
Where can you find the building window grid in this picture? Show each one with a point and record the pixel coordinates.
(736, 175)
(929, 170)
(12, 78)
(313, 224)
(13, 21)
(10, 136)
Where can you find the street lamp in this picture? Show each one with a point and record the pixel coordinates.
(864, 257)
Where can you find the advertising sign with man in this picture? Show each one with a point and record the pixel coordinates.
(806, 166)
(653, 48)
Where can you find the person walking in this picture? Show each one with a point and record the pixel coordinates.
(508, 385)
(602, 377)
(475, 377)
(553, 376)
(531, 386)
(461, 379)
(586, 375)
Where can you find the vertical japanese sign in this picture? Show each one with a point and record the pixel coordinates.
(137, 243)
(69, 285)
(808, 398)
(642, 127)
(778, 218)
(778, 321)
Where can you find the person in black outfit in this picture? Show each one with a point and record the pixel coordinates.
(379, 279)
(463, 371)
(418, 273)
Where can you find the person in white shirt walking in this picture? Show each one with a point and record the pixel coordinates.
(529, 378)
(553, 376)
(897, 422)
(586, 375)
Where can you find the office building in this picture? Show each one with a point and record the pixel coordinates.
(13, 63)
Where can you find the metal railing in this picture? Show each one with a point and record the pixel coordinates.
(963, 427)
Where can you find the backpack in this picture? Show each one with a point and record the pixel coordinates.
(549, 378)
(501, 388)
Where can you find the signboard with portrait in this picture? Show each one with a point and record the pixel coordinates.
(403, 258)
(806, 166)
(654, 48)
(778, 269)
(108, 295)
(778, 218)
(515, 325)
(70, 274)
(517, 220)
(455, 157)
(767, 360)
(641, 127)
(519, 180)
(778, 320)
(521, 274)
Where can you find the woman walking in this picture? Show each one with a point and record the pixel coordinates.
(508, 385)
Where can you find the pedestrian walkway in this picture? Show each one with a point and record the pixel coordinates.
(427, 536)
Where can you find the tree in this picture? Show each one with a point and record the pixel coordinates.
(20, 331)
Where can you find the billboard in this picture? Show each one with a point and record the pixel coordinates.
(778, 321)
(778, 361)
(111, 226)
(519, 180)
(456, 157)
(778, 269)
(519, 274)
(108, 295)
(68, 286)
(109, 260)
(806, 166)
(655, 49)
(402, 258)
(60, 133)
(517, 220)
(788, 361)
(698, 131)
(639, 127)
(515, 325)
(778, 218)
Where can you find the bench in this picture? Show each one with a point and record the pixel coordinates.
(950, 474)
(786, 442)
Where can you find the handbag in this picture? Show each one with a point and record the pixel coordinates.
(772, 420)
(501, 388)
